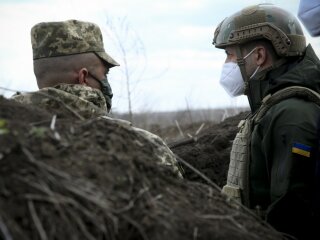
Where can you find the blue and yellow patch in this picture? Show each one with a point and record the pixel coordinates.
(301, 149)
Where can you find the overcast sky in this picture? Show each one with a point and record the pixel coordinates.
(177, 67)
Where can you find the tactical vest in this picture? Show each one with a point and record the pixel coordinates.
(237, 186)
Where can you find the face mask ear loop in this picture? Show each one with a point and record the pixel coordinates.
(255, 72)
(243, 71)
(250, 53)
(241, 63)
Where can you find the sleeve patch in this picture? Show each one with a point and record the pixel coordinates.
(301, 149)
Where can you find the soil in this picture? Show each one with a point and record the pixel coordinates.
(209, 153)
(95, 179)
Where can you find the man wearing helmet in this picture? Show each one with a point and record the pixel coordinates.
(274, 156)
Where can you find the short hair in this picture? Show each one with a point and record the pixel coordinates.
(266, 44)
(54, 70)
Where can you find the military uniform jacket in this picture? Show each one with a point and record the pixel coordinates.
(85, 103)
(283, 159)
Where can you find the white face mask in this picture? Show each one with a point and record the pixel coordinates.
(231, 78)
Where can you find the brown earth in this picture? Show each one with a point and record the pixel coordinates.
(97, 180)
(209, 153)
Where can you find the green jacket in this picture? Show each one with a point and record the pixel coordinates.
(284, 148)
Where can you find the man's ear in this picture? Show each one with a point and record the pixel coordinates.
(261, 56)
(82, 76)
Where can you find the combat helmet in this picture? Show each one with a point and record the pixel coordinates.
(263, 21)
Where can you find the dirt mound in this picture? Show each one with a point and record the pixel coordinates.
(71, 179)
(210, 152)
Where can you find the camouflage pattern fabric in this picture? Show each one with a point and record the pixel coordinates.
(83, 100)
(90, 103)
(53, 39)
(163, 153)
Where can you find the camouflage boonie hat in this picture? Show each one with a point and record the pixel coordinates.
(54, 39)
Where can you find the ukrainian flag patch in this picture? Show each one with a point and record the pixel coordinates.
(301, 149)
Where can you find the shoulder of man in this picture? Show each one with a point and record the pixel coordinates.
(86, 103)
(163, 154)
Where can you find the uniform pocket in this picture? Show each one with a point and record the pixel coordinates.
(232, 192)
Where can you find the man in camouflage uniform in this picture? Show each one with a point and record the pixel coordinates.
(273, 158)
(71, 68)
(70, 62)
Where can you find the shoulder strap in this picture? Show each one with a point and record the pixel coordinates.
(289, 92)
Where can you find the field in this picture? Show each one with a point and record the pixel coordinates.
(200, 137)
(174, 126)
